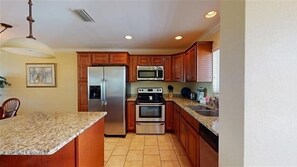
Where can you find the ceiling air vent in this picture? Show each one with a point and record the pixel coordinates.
(83, 15)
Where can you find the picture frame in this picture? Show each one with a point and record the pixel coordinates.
(40, 74)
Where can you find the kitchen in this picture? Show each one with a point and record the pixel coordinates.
(13, 67)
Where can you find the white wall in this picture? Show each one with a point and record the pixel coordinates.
(231, 144)
(270, 83)
(60, 98)
(258, 83)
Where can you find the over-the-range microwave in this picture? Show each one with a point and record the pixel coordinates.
(150, 73)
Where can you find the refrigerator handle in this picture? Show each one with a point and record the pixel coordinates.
(102, 92)
(105, 101)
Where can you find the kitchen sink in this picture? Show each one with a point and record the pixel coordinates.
(205, 111)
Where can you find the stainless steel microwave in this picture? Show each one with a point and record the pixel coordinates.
(147, 73)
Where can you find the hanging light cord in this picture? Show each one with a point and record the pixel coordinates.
(31, 20)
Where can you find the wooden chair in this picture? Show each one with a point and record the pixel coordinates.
(10, 107)
(1, 112)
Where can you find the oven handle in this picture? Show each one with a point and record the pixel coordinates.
(150, 104)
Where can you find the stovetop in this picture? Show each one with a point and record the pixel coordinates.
(150, 95)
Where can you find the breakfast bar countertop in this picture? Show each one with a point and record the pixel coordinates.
(43, 133)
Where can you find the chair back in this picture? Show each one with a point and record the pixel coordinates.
(10, 107)
(1, 113)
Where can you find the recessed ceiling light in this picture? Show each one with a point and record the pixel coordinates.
(178, 37)
(128, 37)
(210, 14)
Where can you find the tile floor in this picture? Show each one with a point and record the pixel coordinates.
(144, 151)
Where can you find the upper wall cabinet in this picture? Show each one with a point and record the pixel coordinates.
(168, 68)
(147, 60)
(83, 61)
(178, 67)
(132, 69)
(110, 58)
(198, 62)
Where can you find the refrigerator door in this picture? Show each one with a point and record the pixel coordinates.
(95, 89)
(115, 96)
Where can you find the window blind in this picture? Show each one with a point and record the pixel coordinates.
(216, 71)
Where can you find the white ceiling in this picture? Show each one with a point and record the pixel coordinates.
(152, 23)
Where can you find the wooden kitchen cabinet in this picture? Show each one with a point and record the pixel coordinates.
(110, 58)
(193, 146)
(157, 60)
(178, 67)
(204, 61)
(191, 64)
(131, 107)
(176, 117)
(100, 58)
(167, 68)
(119, 58)
(198, 62)
(183, 133)
(147, 60)
(169, 116)
(132, 69)
(82, 96)
(208, 156)
(83, 61)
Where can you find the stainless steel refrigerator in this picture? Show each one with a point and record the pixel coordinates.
(107, 92)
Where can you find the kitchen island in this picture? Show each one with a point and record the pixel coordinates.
(52, 139)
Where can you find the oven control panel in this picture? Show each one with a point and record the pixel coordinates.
(150, 90)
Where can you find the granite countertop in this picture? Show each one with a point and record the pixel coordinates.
(209, 122)
(39, 133)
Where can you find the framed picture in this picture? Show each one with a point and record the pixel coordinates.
(41, 74)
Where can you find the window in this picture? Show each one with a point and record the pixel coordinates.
(216, 71)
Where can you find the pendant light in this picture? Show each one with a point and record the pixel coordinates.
(28, 46)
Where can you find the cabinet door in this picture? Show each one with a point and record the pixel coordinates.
(82, 96)
(169, 116)
(83, 61)
(183, 133)
(176, 118)
(131, 116)
(118, 58)
(208, 156)
(204, 62)
(143, 60)
(157, 60)
(100, 58)
(133, 69)
(191, 64)
(167, 68)
(178, 67)
(193, 146)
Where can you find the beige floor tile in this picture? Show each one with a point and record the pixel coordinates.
(138, 139)
(166, 146)
(116, 161)
(124, 142)
(150, 137)
(133, 164)
(151, 150)
(170, 164)
(184, 161)
(136, 146)
(151, 161)
(111, 139)
(167, 155)
(107, 155)
(136, 155)
(164, 138)
(150, 142)
(164, 142)
(109, 146)
(129, 135)
(120, 150)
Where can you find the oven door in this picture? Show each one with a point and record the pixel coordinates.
(150, 112)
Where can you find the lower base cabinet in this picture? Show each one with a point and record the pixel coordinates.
(130, 117)
(193, 146)
(208, 156)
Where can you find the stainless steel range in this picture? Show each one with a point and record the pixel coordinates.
(150, 111)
